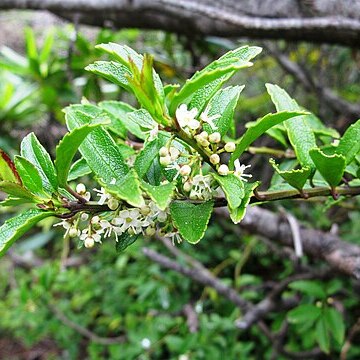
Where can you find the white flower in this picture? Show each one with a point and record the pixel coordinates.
(146, 343)
(174, 166)
(209, 119)
(156, 213)
(129, 219)
(186, 118)
(174, 236)
(88, 236)
(223, 169)
(201, 187)
(239, 170)
(70, 228)
(104, 196)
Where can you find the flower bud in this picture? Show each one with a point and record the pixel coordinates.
(73, 232)
(95, 219)
(89, 242)
(214, 159)
(174, 153)
(84, 216)
(163, 151)
(215, 138)
(80, 189)
(187, 186)
(204, 135)
(113, 203)
(230, 147)
(204, 142)
(145, 210)
(223, 169)
(150, 231)
(165, 160)
(185, 170)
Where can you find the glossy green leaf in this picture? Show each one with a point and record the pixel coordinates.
(201, 96)
(335, 323)
(223, 103)
(124, 241)
(161, 195)
(300, 134)
(78, 169)
(191, 219)
(112, 71)
(258, 128)
(295, 177)
(15, 227)
(237, 214)
(139, 122)
(203, 77)
(15, 190)
(146, 156)
(67, 148)
(306, 313)
(322, 335)
(32, 150)
(331, 167)
(349, 145)
(233, 189)
(8, 170)
(30, 176)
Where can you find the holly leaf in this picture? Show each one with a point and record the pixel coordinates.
(191, 219)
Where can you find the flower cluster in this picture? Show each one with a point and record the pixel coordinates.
(146, 220)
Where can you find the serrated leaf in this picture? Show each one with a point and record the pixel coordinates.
(322, 335)
(78, 169)
(32, 150)
(223, 103)
(335, 323)
(258, 128)
(67, 148)
(146, 157)
(305, 313)
(112, 71)
(310, 287)
(201, 97)
(139, 122)
(300, 134)
(349, 145)
(15, 227)
(233, 188)
(161, 195)
(124, 241)
(30, 176)
(8, 170)
(203, 77)
(238, 213)
(331, 167)
(191, 219)
(295, 177)
(127, 188)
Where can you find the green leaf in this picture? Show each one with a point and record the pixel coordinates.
(112, 71)
(296, 177)
(305, 313)
(310, 287)
(238, 213)
(331, 167)
(15, 227)
(124, 241)
(191, 219)
(161, 195)
(223, 103)
(300, 134)
(127, 188)
(349, 145)
(139, 122)
(322, 335)
(32, 150)
(233, 189)
(203, 77)
(258, 128)
(13, 201)
(335, 323)
(146, 157)
(16, 190)
(201, 96)
(78, 169)
(8, 170)
(67, 148)
(30, 176)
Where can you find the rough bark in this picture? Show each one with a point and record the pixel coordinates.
(312, 20)
(340, 255)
